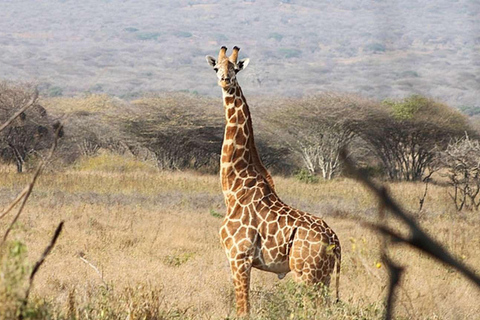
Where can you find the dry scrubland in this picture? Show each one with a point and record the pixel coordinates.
(375, 48)
(153, 237)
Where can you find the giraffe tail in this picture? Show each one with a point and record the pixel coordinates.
(338, 260)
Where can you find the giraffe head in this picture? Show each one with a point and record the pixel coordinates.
(227, 67)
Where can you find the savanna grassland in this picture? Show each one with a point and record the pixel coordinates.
(139, 243)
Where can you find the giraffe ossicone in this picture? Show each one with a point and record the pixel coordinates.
(260, 230)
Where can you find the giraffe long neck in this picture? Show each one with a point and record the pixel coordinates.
(240, 157)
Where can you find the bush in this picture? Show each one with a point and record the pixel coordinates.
(375, 47)
(148, 35)
(275, 35)
(183, 34)
(405, 134)
(55, 92)
(303, 175)
(289, 53)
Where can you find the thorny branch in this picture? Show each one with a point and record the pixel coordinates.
(417, 238)
(46, 252)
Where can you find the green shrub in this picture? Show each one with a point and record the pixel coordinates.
(130, 29)
(183, 34)
(306, 176)
(289, 53)
(14, 271)
(148, 35)
(275, 35)
(55, 92)
(375, 47)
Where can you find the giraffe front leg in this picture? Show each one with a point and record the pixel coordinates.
(241, 269)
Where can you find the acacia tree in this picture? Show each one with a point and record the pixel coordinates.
(28, 133)
(405, 135)
(318, 128)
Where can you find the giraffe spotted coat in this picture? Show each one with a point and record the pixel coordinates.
(259, 230)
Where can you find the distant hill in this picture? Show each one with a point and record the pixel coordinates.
(375, 48)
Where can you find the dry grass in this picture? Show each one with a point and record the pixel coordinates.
(153, 236)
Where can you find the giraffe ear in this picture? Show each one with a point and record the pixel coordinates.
(242, 64)
(211, 61)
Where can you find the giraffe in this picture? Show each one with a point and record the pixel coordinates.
(259, 230)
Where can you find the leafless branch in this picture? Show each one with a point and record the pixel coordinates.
(417, 238)
(14, 202)
(46, 252)
(81, 255)
(30, 186)
(30, 103)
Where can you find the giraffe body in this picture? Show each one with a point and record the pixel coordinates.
(259, 230)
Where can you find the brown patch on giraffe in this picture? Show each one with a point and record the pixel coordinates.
(230, 132)
(240, 117)
(223, 233)
(231, 178)
(233, 251)
(228, 242)
(236, 213)
(237, 91)
(227, 148)
(231, 91)
(230, 112)
(237, 184)
(240, 165)
(238, 102)
(274, 252)
(229, 100)
(249, 183)
(247, 197)
(272, 228)
(245, 219)
(233, 226)
(240, 138)
(258, 194)
(251, 233)
(243, 174)
(239, 151)
(241, 232)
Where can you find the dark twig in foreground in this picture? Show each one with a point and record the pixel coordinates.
(14, 202)
(37, 266)
(30, 186)
(418, 238)
(395, 272)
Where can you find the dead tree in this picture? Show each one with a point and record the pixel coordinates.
(461, 158)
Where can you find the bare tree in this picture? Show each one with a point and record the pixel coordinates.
(28, 133)
(462, 160)
(318, 128)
